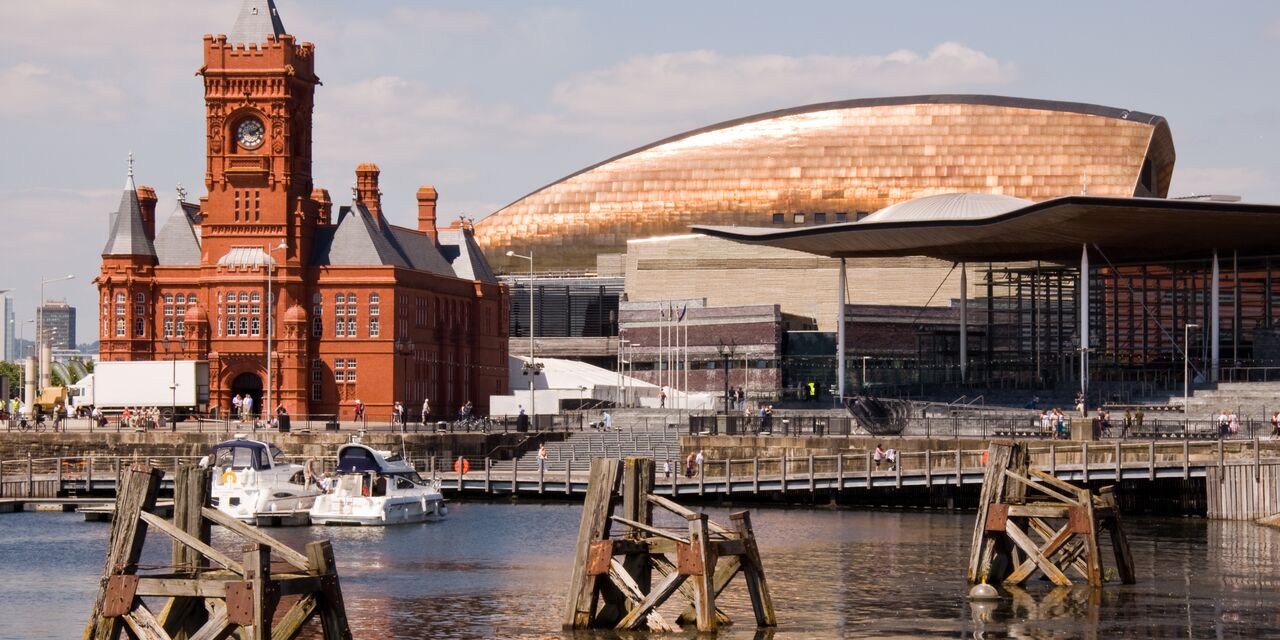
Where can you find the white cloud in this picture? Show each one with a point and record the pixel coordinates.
(37, 90)
(691, 82)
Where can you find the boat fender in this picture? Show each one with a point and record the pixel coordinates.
(229, 477)
(442, 509)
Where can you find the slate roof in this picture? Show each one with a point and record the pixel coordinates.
(257, 20)
(359, 239)
(460, 249)
(178, 242)
(128, 237)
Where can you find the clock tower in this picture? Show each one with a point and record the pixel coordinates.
(259, 85)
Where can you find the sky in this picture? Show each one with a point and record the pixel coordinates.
(489, 101)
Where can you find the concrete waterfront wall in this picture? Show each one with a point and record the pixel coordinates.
(163, 443)
(721, 447)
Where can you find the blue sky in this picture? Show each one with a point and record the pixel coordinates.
(488, 101)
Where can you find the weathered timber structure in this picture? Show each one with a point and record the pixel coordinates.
(208, 593)
(613, 584)
(1065, 519)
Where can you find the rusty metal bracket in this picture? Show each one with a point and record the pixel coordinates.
(997, 516)
(599, 557)
(688, 559)
(120, 593)
(1078, 518)
(240, 603)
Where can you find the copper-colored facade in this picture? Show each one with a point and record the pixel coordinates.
(829, 162)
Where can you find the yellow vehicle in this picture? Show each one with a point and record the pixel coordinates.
(51, 401)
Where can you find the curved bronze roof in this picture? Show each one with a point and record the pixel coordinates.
(837, 157)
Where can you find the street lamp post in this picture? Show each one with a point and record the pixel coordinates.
(404, 348)
(531, 368)
(1186, 367)
(173, 383)
(726, 353)
(269, 409)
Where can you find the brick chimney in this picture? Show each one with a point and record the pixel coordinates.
(324, 206)
(147, 202)
(367, 188)
(427, 211)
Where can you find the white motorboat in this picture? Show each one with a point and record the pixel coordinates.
(376, 488)
(251, 478)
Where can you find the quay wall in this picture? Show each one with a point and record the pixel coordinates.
(163, 443)
(723, 447)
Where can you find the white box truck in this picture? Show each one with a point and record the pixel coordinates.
(152, 383)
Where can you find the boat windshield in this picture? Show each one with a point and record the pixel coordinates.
(241, 456)
(277, 456)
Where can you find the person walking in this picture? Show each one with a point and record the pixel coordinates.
(742, 399)
(237, 406)
(426, 410)
(688, 466)
(698, 460)
(606, 421)
(666, 468)
(397, 414)
(542, 456)
(359, 415)
(247, 404)
(878, 456)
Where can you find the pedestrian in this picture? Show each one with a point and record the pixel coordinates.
(522, 421)
(662, 398)
(878, 456)
(1275, 424)
(1224, 423)
(236, 406)
(1137, 418)
(397, 413)
(1233, 423)
(891, 455)
(542, 456)
(742, 398)
(698, 460)
(1128, 423)
(688, 466)
(606, 421)
(359, 415)
(1080, 404)
(426, 410)
(247, 403)
(666, 468)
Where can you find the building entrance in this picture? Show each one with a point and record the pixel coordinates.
(251, 384)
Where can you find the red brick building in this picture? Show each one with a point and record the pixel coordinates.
(357, 308)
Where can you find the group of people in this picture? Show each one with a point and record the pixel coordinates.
(1228, 422)
(738, 399)
(692, 465)
(242, 407)
(889, 455)
(1056, 423)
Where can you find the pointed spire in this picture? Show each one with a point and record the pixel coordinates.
(257, 20)
(128, 232)
(178, 243)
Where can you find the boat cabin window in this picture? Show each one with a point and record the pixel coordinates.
(403, 483)
(380, 486)
(277, 456)
(241, 457)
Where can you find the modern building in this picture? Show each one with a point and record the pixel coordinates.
(8, 330)
(58, 321)
(832, 163)
(285, 294)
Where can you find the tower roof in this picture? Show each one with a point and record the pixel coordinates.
(128, 234)
(178, 243)
(257, 20)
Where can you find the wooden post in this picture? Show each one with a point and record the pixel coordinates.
(332, 610)
(1151, 460)
(755, 475)
(981, 550)
(704, 590)
(88, 477)
(31, 483)
(1084, 461)
(753, 571)
(128, 533)
(811, 473)
(257, 572)
(488, 468)
(580, 605)
(1186, 460)
(190, 494)
(928, 467)
(728, 477)
(840, 471)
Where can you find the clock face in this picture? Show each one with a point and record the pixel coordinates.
(250, 133)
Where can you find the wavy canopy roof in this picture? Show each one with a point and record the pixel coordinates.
(1125, 230)
(815, 162)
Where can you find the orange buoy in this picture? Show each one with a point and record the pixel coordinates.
(461, 465)
(984, 458)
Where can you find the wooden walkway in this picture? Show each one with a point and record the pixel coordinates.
(1072, 461)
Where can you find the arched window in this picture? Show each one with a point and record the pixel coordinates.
(119, 327)
(140, 298)
(317, 305)
(191, 298)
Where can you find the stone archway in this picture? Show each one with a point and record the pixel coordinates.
(249, 383)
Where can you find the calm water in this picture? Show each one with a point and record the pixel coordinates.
(500, 571)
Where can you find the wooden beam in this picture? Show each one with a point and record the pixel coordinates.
(217, 628)
(1028, 566)
(982, 548)
(1041, 487)
(753, 571)
(1028, 547)
(195, 544)
(704, 603)
(293, 620)
(621, 578)
(685, 512)
(640, 526)
(333, 610)
(286, 553)
(144, 625)
(656, 597)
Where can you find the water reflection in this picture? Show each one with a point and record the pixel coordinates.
(501, 571)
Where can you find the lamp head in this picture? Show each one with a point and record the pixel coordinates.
(511, 254)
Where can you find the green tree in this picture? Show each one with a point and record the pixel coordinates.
(13, 371)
